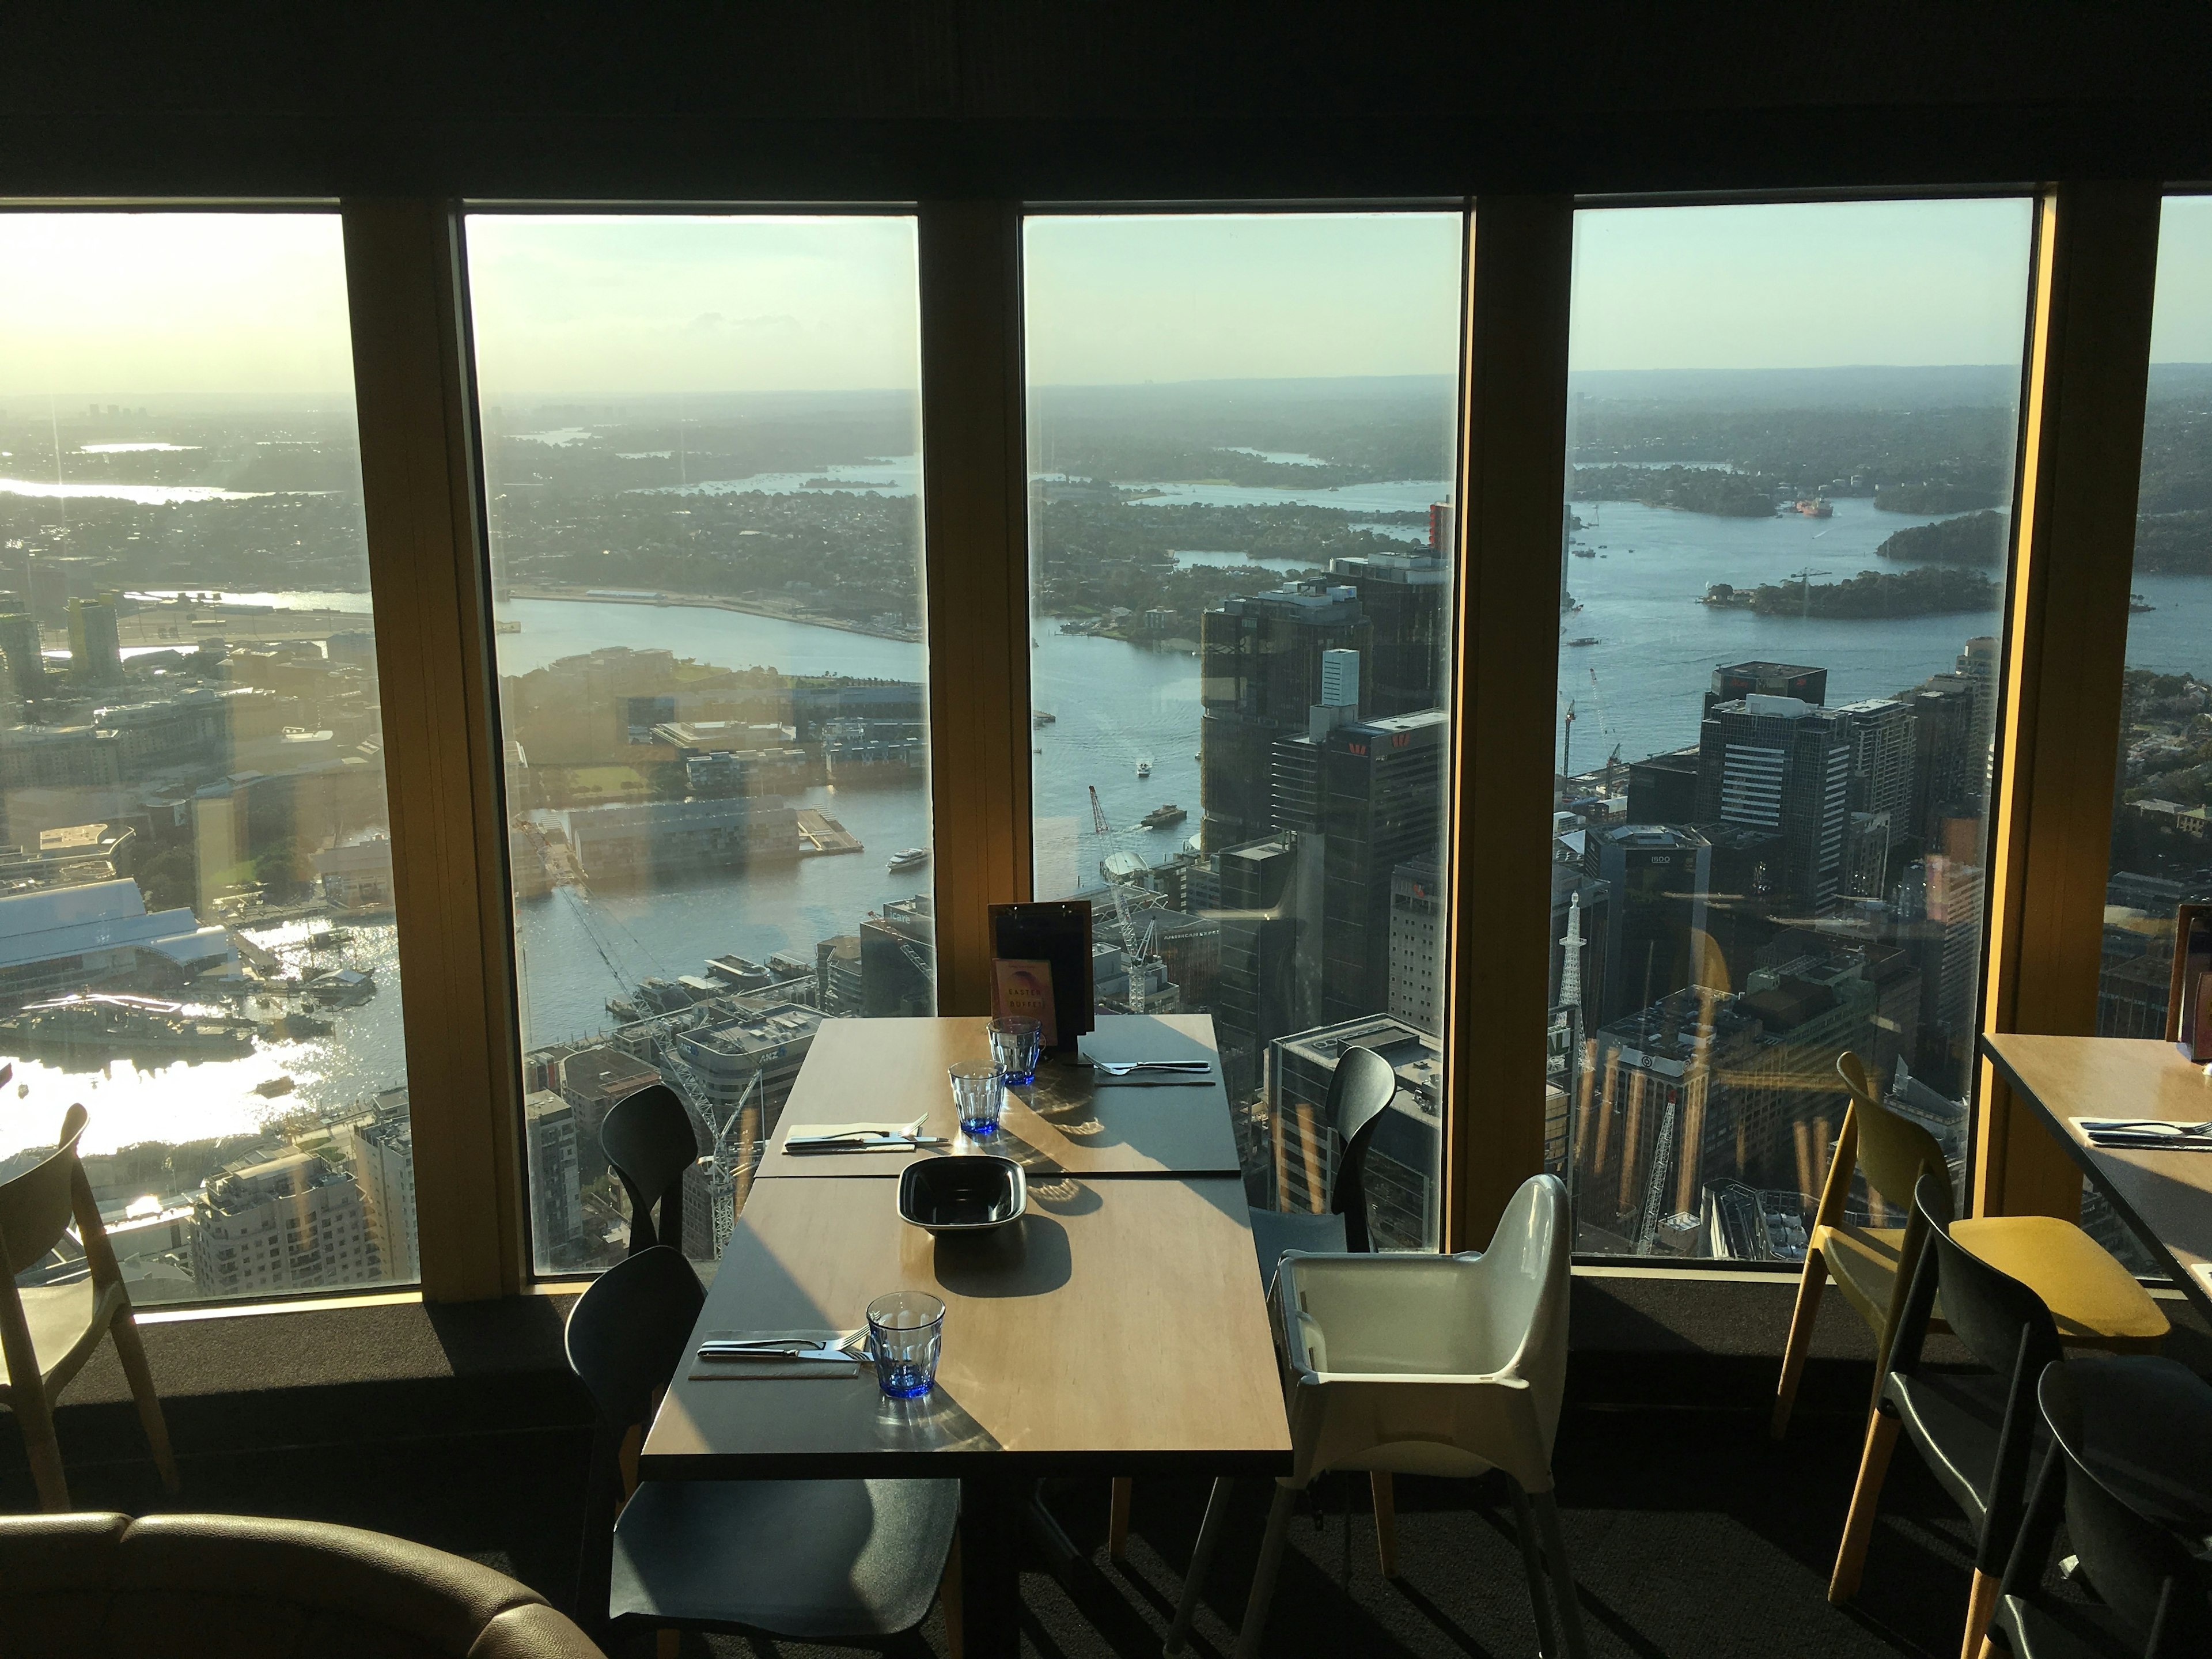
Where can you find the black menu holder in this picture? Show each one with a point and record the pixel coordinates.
(1059, 932)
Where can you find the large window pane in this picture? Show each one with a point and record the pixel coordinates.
(1241, 432)
(703, 462)
(2161, 854)
(196, 926)
(1791, 436)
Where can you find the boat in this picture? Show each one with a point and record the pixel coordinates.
(275, 1087)
(912, 858)
(2137, 605)
(1144, 767)
(1584, 552)
(95, 1024)
(1041, 717)
(1160, 816)
(1817, 506)
(1587, 639)
(342, 987)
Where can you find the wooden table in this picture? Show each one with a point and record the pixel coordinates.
(2166, 1198)
(1116, 1329)
(871, 1070)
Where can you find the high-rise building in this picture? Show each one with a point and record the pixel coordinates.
(95, 646)
(1400, 1176)
(898, 960)
(1880, 733)
(382, 1153)
(1417, 945)
(1733, 682)
(1269, 898)
(1370, 794)
(19, 647)
(291, 1222)
(1781, 765)
(1951, 751)
(1656, 877)
(556, 1210)
(1260, 668)
(1664, 788)
(1404, 596)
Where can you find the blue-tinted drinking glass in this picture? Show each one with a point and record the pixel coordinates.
(1015, 1044)
(906, 1332)
(979, 1095)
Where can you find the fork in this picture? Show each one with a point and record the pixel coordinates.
(1123, 1067)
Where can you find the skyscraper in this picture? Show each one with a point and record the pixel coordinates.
(19, 646)
(1404, 595)
(1735, 681)
(1656, 877)
(1417, 945)
(1781, 765)
(95, 648)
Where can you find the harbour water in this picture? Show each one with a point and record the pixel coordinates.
(1637, 687)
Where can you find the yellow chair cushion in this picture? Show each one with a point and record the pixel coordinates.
(2096, 1302)
(1862, 1261)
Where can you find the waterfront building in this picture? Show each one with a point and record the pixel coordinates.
(292, 1222)
(72, 938)
(652, 841)
(749, 1057)
(357, 878)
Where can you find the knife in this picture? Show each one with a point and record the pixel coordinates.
(861, 1143)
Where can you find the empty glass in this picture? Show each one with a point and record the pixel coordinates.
(1015, 1043)
(906, 1333)
(979, 1095)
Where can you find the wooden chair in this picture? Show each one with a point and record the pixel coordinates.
(48, 1331)
(2095, 1302)
(1362, 1087)
(649, 1142)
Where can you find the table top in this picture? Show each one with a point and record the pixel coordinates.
(1119, 1328)
(2166, 1198)
(872, 1070)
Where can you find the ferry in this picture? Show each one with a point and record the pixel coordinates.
(2137, 605)
(1161, 817)
(1144, 767)
(1042, 717)
(1819, 507)
(92, 1022)
(912, 858)
(1586, 639)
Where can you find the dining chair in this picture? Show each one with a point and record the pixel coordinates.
(649, 1142)
(48, 1331)
(1450, 1365)
(2096, 1302)
(849, 1563)
(2130, 1474)
(1363, 1084)
(1979, 1430)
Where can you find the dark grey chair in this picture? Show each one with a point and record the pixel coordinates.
(1364, 1086)
(851, 1563)
(2130, 1472)
(649, 1142)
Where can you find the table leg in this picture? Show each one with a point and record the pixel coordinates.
(992, 1534)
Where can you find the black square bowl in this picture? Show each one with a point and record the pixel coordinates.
(971, 1193)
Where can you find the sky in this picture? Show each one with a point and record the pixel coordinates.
(178, 304)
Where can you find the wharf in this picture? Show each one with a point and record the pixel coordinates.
(821, 835)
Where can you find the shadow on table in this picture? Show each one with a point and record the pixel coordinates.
(936, 1422)
(1029, 1258)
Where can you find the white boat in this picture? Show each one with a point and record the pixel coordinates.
(912, 859)
(1144, 767)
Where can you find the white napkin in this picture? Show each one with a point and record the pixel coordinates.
(808, 1131)
(770, 1370)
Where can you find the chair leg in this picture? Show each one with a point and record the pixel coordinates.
(1810, 1284)
(1386, 1519)
(1981, 1604)
(1532, 1563)
(37, 1418)
(1263, 1579)
(1117, 1519)
(1873, 1464)
(667, 1642)
(130, 1349)
(1562, 1577)
(1201, 1559)
(948, 1597)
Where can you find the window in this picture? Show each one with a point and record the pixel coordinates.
(1791, 439)
(1241, 440)
(702, 452)
(196, 922)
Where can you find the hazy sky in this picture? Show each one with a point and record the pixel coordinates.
(125, 305)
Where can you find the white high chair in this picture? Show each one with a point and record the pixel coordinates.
(1424, 1364)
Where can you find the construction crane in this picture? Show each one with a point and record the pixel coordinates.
(1131, 947)
(1656, 1190)
(1567, 745)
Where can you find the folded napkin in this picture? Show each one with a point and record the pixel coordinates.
(2135, 1134)
(806, 1131)
(768, 1370)
(1156, 1080)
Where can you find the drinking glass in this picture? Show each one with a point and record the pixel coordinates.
(906, 1332)
(1015, 1043)
(979, 1095)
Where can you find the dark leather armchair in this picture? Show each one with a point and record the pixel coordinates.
(96, 1586)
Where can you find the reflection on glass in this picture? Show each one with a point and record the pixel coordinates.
(195, 924)
(701, 455)
(2160, 852)
(1241, 432)
(1792, 433)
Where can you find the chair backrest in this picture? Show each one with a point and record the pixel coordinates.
(1531, 1257)
(649, 1142)
(1893, 1151)
(37, 1205)
(1363, 1088)
(627, 1335)
(2140, 1571)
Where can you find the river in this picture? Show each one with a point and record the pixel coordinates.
(1115, 704)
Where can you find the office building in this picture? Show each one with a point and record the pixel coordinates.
(289, 1223)
(1401, 1174)
(898, 960)
(1418, 931)
(381, 1152)
(1734, 681)
(1781, 765)
(1407, 598)
(1270, 899)
(1664, 788)
(1656, 877)
(556, 1211)
(95, 646)
(23, 654)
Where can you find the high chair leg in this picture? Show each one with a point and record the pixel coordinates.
(1263, 1580)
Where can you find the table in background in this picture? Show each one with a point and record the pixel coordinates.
(2165, 1197)
(1114, 1330)
(886, 1070)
